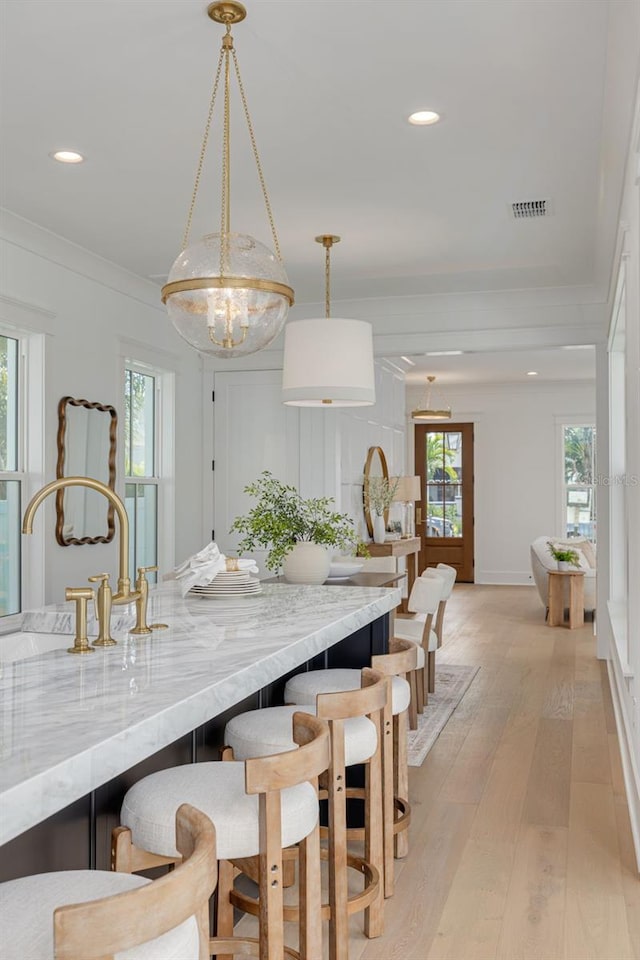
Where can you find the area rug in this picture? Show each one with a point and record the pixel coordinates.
(452, 682)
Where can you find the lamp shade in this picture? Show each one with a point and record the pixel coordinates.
(408, 489)
(328, 362)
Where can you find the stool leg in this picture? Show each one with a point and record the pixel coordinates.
(338, 887)
(413, 703)
(271, 880)
(401, 775)
(423, 689)
(387, 797)
(374, 914)
(310, 897)
(224, 912)
(431, 671)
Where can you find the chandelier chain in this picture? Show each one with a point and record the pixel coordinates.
(225, 206)
(203, 150)
(254, 147)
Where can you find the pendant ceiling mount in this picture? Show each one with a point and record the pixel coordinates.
(227, 294)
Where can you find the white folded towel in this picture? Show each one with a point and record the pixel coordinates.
(202, 567)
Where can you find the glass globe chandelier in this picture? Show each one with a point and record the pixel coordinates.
(429, 409)
(328, 361)
(227, 294)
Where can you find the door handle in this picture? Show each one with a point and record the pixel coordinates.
(418, 514)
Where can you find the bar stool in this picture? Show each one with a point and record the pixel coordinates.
(417, 627)
(354, 719)
(448, 575)
(258, 807)
(304, 687)
(94, 914)
(400, 662)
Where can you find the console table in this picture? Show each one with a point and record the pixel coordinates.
(410, 549)
(557, 580)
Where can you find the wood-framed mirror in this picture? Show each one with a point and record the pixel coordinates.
(375, 466)
(86, 448)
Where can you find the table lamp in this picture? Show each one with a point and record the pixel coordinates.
(407, 492)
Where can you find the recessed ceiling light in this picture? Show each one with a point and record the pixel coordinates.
(408, 360)
(532, 373)
(423, 118)
(444, 353)
(578, 346)
(67, 156)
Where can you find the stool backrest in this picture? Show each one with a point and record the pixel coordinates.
(278, 771)
(425, 595)
(101, 928)
(449, 575)
(401, 659)
(370, 698)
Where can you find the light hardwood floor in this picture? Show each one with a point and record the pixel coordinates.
(520, 839)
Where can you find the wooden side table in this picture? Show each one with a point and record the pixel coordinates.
(557, 579)
(408, 548)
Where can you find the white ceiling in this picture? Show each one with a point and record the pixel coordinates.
(507, 366)
(521, 84)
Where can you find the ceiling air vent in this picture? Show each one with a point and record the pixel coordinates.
(526, 209)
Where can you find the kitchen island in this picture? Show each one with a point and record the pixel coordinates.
(78, 730)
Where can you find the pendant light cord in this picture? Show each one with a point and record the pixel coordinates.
(327, 280)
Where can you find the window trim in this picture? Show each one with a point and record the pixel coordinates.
(582, 420)
(31, 460)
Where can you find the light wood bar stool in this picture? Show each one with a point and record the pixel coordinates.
(417, 627)
(258, 807)
(302, 688)
(448, 575)
(355, 723)
(94, 914)
(399, 663)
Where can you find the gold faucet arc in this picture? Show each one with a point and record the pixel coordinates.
(124, 593)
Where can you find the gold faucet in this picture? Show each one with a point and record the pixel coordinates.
(142, 586)
(124, 594)
(104, 601)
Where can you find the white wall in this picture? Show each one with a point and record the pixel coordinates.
(618, 595)
(516, 465)
(322, 452)
(93, 314)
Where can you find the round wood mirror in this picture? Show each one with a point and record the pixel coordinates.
(375, 466)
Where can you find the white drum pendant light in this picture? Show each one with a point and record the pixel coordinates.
(328, 362)
(227, 294)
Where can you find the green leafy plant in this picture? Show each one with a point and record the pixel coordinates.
(378, 493)
(281, 518)
(563, 554)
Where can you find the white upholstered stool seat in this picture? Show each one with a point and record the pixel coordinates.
(412, 629)
(303, 689)
(260, 733)
(27, 906)
(218, 789)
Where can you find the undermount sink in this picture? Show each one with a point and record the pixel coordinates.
(22, 645)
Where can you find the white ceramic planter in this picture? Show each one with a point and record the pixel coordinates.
(306, 563)
(565, 565)
(378, 529)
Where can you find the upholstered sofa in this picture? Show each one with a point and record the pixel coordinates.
(542, 562)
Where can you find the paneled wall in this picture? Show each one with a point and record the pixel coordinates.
(322, 452)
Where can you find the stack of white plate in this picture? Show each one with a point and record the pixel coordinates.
(228, 585)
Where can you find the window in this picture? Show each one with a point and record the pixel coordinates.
(579, 478)
(140, 468)
(11, 477)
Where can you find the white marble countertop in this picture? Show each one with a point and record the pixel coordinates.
(70, 724)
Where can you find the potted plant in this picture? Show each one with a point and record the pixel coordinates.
(378, 495)
(296, 530)
(565, 556)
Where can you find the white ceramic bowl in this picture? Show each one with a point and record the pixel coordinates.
(343, 569)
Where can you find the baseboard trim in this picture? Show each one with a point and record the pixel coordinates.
(630, 774)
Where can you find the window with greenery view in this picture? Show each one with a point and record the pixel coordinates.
(444, 484)
(140, 468)
(10, 478)
(579, 494)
